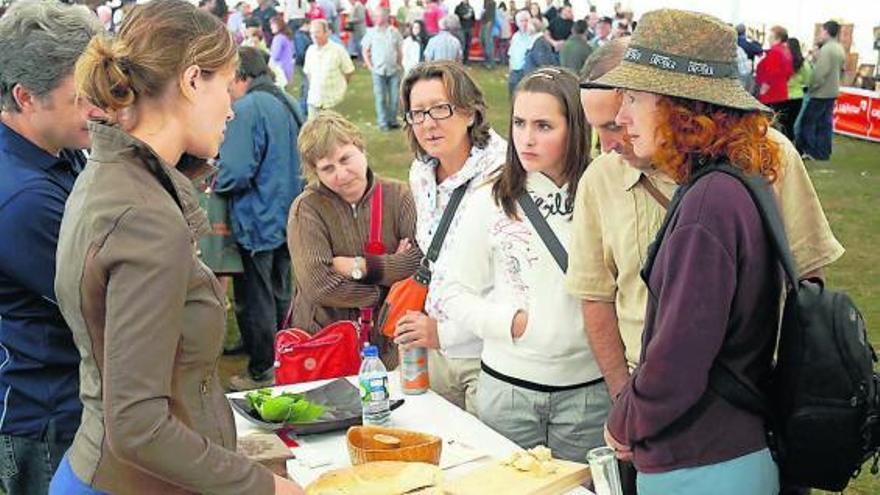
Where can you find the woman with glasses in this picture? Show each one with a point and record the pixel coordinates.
(448, 130)
(540, 384)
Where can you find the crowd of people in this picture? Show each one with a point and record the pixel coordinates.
(548, 315)
(801, 89)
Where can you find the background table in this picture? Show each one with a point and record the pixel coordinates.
(428, 413)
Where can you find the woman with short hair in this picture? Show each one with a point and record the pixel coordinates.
(448, 131)
(329, 226)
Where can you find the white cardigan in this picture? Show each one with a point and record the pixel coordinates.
(456, 341)
(500, 266)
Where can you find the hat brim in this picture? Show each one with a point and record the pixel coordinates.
(726, 92)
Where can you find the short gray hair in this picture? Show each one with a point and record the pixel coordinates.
(40, 42)
(450, 23)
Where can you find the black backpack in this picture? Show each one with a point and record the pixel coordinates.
(822, 401)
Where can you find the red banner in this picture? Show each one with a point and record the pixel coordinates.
(857, 113)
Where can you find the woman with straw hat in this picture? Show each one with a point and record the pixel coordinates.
(714, 281)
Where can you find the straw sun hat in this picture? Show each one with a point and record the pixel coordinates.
(684, 54)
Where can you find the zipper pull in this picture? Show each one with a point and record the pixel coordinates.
(354, 211)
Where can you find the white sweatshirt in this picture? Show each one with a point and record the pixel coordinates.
(456, 341)
(500, 266)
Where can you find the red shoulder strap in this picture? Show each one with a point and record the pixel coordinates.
(376, 216)
(374, 244)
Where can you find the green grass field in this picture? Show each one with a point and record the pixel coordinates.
(848, 186)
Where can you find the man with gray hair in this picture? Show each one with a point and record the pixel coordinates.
(443, 45)
(42, 129)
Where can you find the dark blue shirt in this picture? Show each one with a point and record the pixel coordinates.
(39, 363)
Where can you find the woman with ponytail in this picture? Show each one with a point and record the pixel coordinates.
(147, 316)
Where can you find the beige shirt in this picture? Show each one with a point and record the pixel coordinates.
(326, 66)
(615, 219)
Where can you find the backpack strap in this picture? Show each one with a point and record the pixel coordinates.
(722, 380)
(445, 222)
(768, 209)
(544, 231)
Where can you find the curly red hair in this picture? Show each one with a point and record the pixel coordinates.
(690, 130)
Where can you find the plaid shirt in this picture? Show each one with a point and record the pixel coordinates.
(327, 67)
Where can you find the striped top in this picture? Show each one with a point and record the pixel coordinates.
(321, 225)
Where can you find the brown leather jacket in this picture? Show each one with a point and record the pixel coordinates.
(148, 319)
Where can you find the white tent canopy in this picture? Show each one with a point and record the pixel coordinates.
(799, 17)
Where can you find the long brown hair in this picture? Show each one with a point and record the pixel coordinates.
(510, 182)
(156, 43)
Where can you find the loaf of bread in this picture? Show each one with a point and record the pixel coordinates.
(378, 478)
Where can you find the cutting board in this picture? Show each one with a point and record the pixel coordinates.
(497, 478)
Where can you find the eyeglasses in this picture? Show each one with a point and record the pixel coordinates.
(438, 112)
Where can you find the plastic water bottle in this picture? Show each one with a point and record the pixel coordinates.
(373, 379)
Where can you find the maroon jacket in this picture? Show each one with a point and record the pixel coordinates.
(713, 294)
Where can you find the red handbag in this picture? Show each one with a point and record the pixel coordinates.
(334, 351)
(331, 353)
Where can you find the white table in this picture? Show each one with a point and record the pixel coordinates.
(428, 413)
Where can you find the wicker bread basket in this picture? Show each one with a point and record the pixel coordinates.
(374, 443)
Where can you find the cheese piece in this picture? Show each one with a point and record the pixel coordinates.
(541, 453)
(525, 463)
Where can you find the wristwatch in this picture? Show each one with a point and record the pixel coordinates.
(356, 272)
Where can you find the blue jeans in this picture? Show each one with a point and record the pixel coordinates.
(385, 91)
(66, 482)
(817, 127)
(755, 474)
(27, 465)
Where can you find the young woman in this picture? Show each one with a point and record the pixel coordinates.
(540, 384)
(803, 71)
(281, 52)
(414, 45)
(147, 316)
(329, 227)
(449, 132)
(714, 284)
